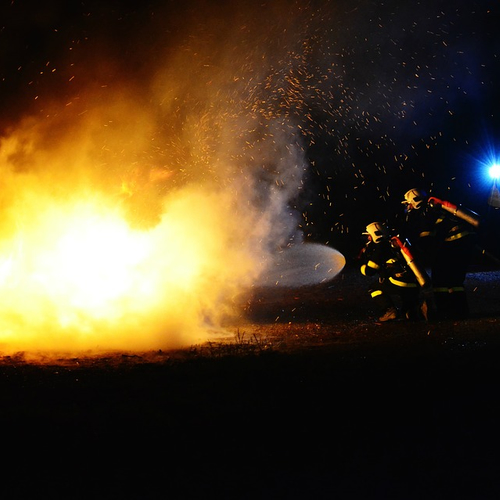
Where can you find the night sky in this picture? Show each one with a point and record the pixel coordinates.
(382, 96)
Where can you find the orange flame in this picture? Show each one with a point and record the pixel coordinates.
(77, 276)
(135, 206)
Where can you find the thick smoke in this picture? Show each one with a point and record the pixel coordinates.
(200, 151)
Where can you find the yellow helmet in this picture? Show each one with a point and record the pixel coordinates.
(377, 231)
(414, 199)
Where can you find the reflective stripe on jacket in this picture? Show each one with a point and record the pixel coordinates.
(405, 284)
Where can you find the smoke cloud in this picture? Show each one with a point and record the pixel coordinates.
(145, 190)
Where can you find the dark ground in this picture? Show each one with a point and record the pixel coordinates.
(312, 400)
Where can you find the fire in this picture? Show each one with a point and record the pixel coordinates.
(84, 259)
(78, 276)
(138, 206)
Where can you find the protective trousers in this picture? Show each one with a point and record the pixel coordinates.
(448, 277)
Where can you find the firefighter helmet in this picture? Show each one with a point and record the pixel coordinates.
(414, 199)
(377, 231)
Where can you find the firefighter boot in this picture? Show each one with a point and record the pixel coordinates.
(384, 303)
(390, 315)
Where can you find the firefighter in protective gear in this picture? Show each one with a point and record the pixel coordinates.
(414, 199)
(445, 235)
(396, 282)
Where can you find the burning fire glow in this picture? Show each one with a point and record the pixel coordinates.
(76, 275)
(137, 208)
(116, 257)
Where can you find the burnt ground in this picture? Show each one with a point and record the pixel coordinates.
(312, 398)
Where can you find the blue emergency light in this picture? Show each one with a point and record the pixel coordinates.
(494, 171)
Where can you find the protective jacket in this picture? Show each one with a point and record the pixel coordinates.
(430, 227)
(384, 260)
(395, 279)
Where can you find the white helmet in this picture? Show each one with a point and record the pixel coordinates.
(414, 199)
(377, 231)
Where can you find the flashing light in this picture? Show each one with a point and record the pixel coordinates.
(494, 171)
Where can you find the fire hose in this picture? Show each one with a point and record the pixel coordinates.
(462, 213)
(420, 273)
(468, 216)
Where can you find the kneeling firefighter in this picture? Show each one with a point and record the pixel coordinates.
(399, 277)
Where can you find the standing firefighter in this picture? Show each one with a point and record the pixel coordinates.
(445, 234)
(383, 257)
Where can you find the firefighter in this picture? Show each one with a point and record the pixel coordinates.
(396, 282)
(445, 234)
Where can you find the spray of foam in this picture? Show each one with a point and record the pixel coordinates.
(135, 215)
